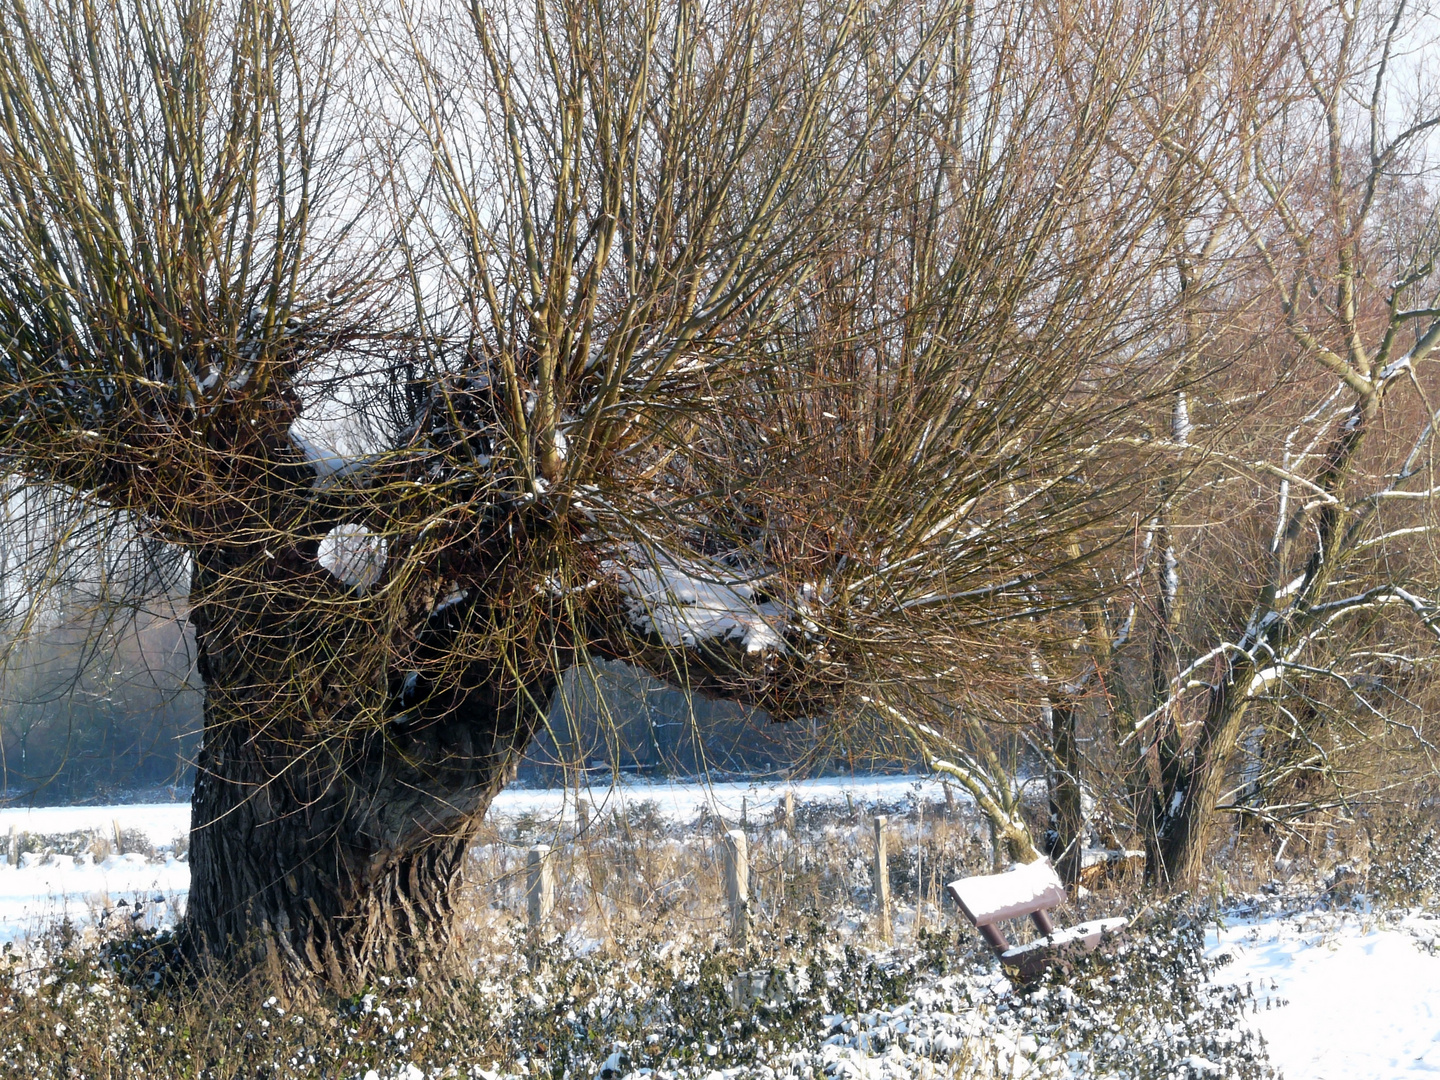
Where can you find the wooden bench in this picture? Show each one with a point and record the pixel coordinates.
(1031, 889)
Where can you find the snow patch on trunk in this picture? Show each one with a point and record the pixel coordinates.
(329, 465)
(354, 555)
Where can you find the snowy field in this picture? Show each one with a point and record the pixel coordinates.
(684, 802)
(1340, 996)
(45, 888)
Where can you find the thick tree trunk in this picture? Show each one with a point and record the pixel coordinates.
(1183, 816)
(327, 845)
(1067, 812)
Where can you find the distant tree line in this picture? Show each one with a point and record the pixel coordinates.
(87, 717)
(91, 717)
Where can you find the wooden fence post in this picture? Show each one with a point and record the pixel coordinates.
(119, 841)
(949, 799)
(882, 879)
(13, 849)
(539, 885)
(737, 885)
(790, 811)
(919, 866)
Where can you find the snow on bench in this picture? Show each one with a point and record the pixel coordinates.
(1026, 889)
(1022, 890)
(1085, 935)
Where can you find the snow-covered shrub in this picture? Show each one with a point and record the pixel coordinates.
(810, 1006)
(534, 1006)
(1405, 862)
(1143, 1008)
(636, 973)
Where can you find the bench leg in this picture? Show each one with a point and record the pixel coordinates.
(994, 938)
(1042, 922)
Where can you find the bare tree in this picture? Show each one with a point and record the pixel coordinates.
(783, 350)
(1284, 593)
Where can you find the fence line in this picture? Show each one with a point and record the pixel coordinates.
(881, 873)
(607, 871)
(539, 885)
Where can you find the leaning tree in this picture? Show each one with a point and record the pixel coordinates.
(779, 349)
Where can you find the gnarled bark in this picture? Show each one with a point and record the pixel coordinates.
(1067, 814)
(326, 848)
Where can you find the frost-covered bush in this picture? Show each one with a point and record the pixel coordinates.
(1143, 1008)
(1405, 863)
(808, 1007)
(637, 974)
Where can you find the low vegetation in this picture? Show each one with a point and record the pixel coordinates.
(635, 971)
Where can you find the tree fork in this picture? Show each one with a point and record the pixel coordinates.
(1182, 827)
(1192, 781)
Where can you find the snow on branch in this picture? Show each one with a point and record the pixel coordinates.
(687, 603)
(958, 764)
(329, 465)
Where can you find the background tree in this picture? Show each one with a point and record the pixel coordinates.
(1270, 639)
(94, 685)
(1337, 582)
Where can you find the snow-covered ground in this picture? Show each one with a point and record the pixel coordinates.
(44, 889)
(161, 823)
(1340, 996)
(1335, 995)
(678, 801)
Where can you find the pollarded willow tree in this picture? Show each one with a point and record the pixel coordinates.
(777, 348)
